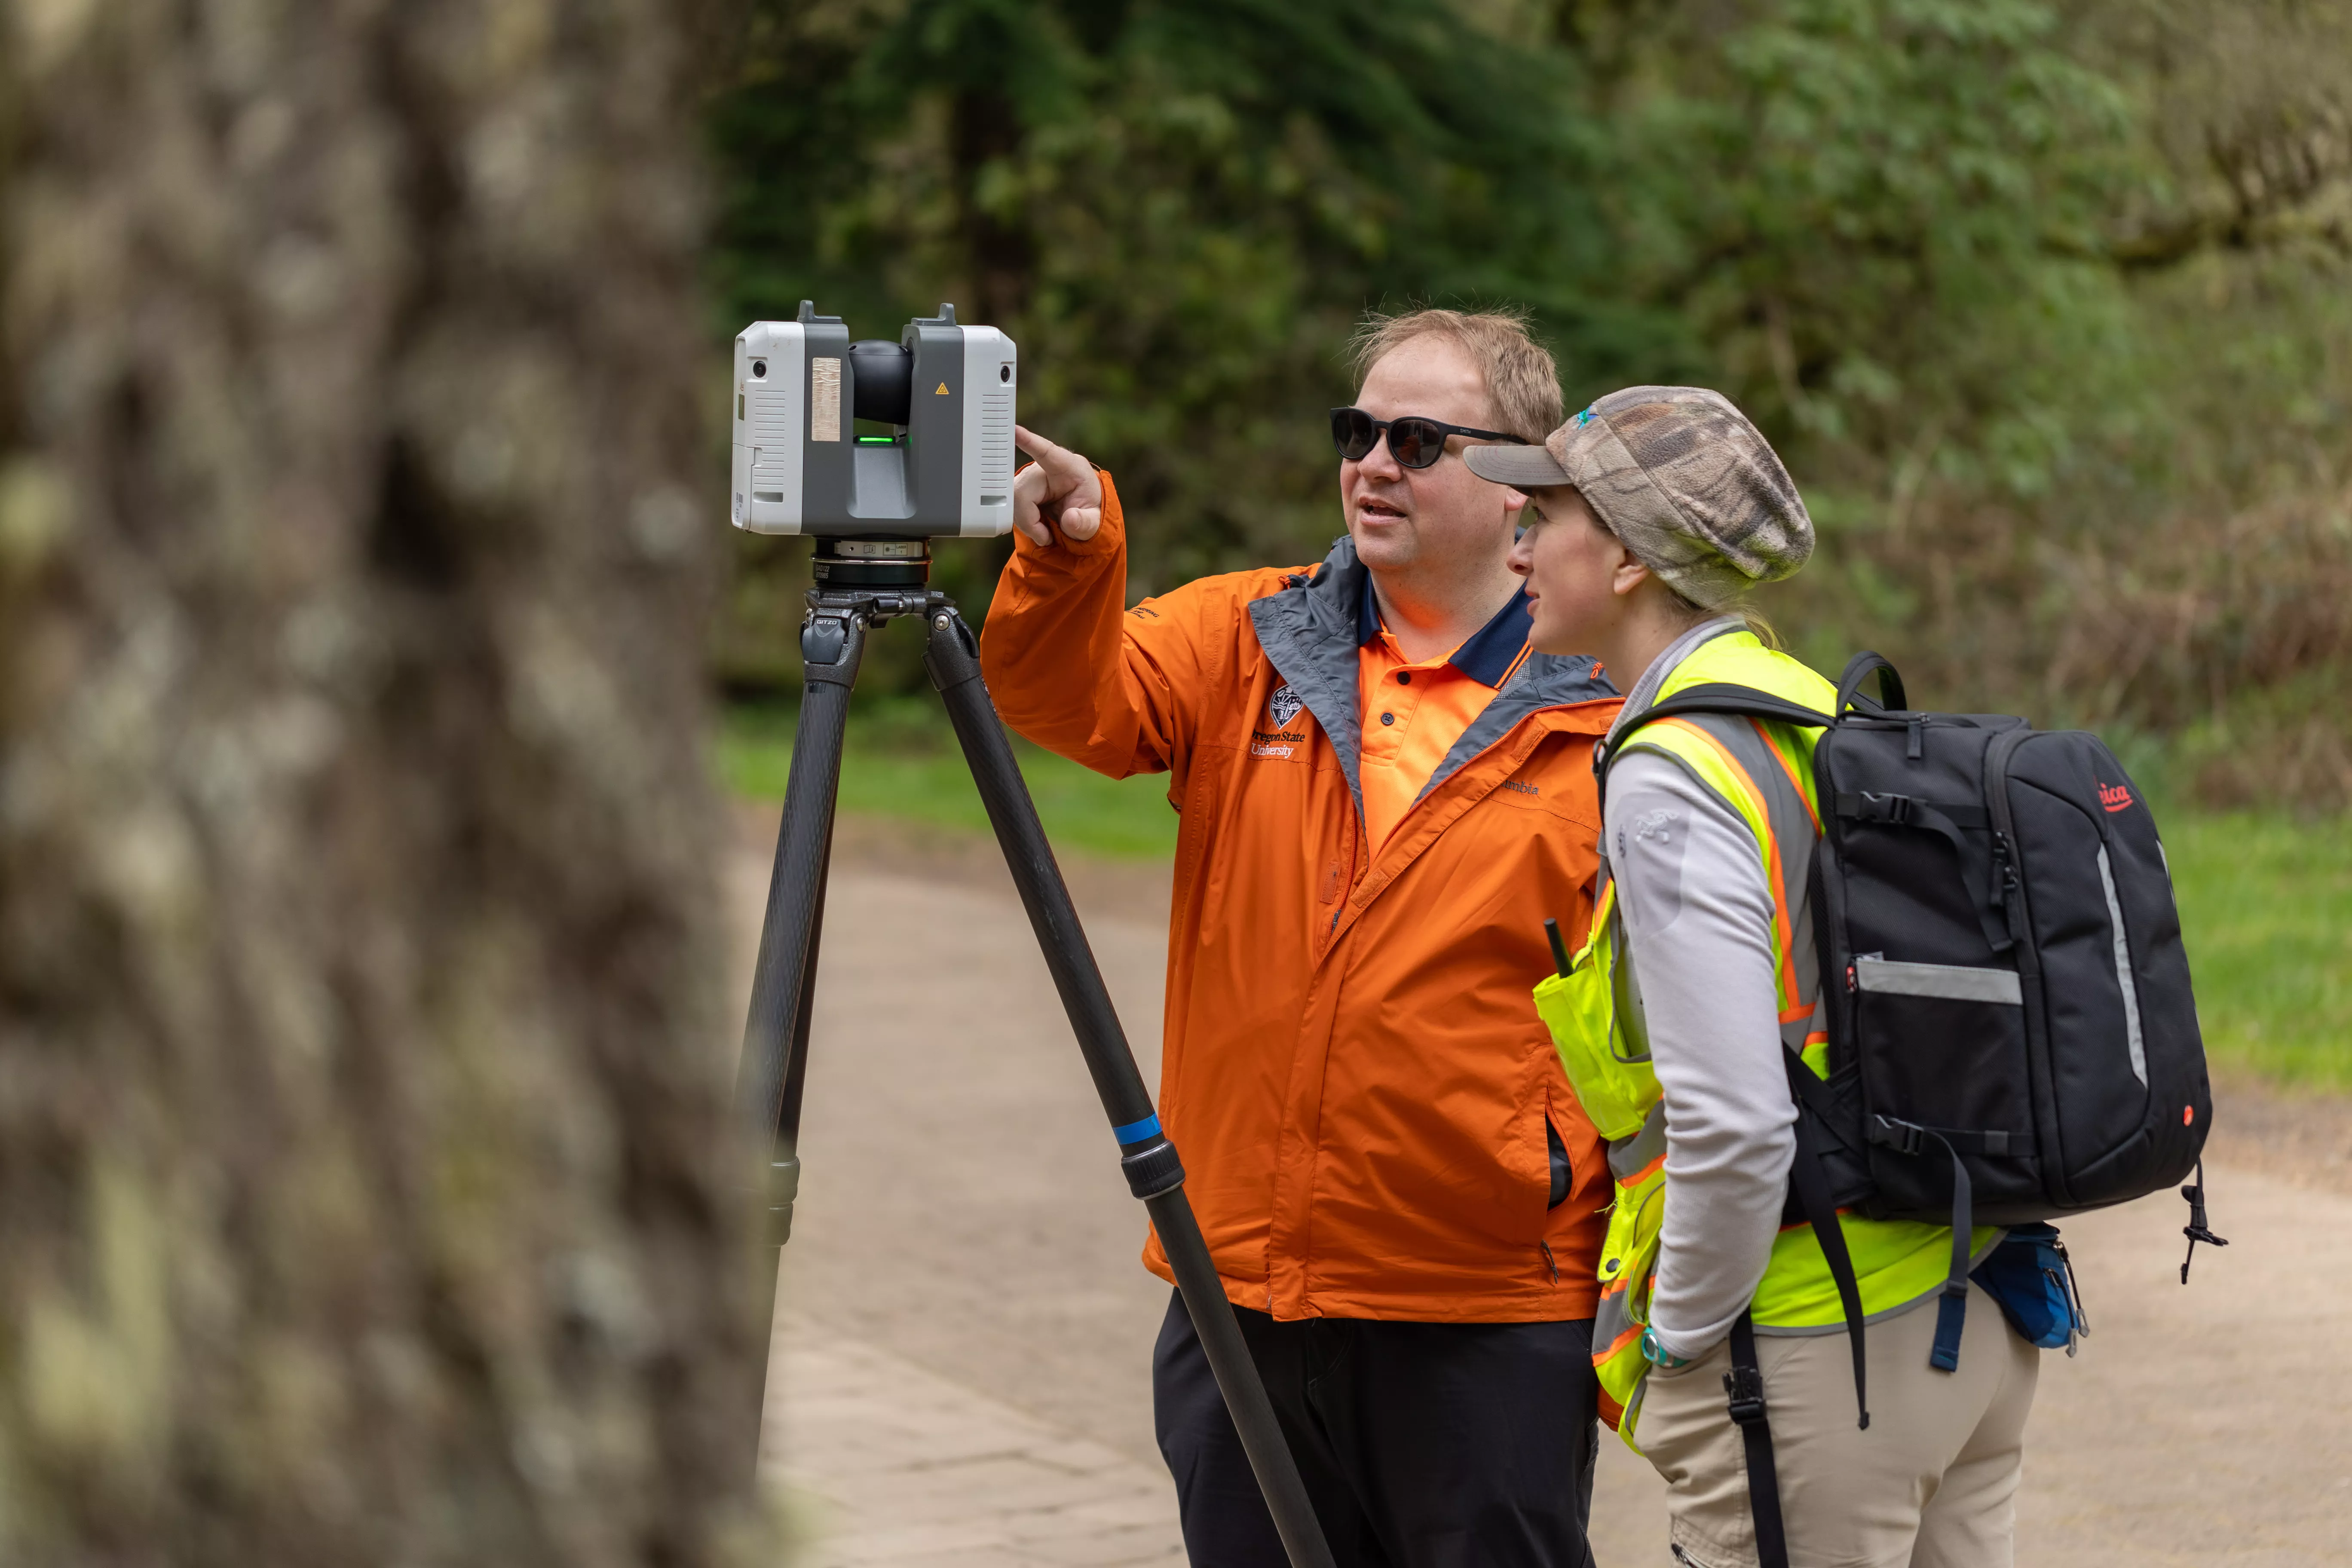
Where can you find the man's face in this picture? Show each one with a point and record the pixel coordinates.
(1443, 517)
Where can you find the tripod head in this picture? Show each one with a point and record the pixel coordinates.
(863, 583)
(861, 564)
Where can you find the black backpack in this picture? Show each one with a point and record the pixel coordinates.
(2012, 1034)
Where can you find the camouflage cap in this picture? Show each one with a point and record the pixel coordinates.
(1682, 478)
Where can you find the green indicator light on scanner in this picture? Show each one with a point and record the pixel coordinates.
(877, 440)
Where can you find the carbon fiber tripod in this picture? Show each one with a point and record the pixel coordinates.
(860, 585)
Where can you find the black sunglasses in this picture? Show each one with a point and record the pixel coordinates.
(1413, 441)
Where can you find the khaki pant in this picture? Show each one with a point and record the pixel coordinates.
(1933, 1483)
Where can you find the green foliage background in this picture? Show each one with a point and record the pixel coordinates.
(2046, 306)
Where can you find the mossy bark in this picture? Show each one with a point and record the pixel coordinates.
(364, 1171)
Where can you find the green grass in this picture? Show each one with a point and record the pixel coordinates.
(2266, 907)
(901, 760)
(2265, 899)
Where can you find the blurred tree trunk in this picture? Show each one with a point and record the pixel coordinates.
(363, 1186)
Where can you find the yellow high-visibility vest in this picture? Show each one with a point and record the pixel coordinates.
(1764, 772)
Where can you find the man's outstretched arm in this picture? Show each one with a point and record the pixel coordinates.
(1070, 666)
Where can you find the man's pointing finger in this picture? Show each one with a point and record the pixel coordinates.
(1072, 496)
(1063, 467)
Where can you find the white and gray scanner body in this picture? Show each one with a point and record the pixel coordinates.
(945, 394)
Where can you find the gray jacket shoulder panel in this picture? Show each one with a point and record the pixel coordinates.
(1545, 681)
(1309, 633)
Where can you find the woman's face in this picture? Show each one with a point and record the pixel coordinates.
(1573, 566)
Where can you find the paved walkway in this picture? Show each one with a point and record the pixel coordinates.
(892, 1465)
(965, 1344)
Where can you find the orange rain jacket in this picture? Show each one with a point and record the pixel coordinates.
(1353, 1071)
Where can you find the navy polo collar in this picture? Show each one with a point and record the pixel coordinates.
(1487, 657)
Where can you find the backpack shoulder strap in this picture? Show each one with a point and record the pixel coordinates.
(1746, 702)
(1719, 696)
(1714, 697)
(1808, 1183)
(1745, 1384)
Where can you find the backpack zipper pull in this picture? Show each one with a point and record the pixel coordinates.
(2007, 889)
(1918, 747)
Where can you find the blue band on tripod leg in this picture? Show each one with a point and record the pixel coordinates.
(1136, 1131)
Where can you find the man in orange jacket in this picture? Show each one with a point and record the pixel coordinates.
(1384, 792)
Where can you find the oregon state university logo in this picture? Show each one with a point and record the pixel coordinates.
(1282, 740)
(1283, 706)
(2115, 797)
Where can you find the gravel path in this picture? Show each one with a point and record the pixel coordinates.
(964, 1332)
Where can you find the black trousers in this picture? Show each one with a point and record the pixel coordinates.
(1423, 1445)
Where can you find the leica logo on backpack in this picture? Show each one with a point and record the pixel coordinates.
(2115, 797)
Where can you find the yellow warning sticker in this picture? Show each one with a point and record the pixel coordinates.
(943, 391)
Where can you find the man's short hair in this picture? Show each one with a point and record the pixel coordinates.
(1522, 381)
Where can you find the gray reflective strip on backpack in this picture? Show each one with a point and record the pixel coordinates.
(1951, 981)
(2132, 1037)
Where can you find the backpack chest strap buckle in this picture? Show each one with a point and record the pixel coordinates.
(1903, 1137)
(1910, 1138)
(1894, 810)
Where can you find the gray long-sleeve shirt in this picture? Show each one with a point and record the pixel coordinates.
(1698, 922)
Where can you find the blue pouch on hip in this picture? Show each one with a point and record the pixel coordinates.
(2028, 1274)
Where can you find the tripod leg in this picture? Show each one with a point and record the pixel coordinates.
(775, 1063)
(775, 1034)
(784, 1188)
(1146, 1156)
(784, 1163)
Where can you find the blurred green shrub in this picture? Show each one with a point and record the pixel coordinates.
(2046, 306)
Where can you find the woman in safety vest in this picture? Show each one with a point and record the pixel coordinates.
(1722, 1341)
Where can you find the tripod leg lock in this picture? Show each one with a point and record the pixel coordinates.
(832, 643)
(783, 1187)
(1152, 1169)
